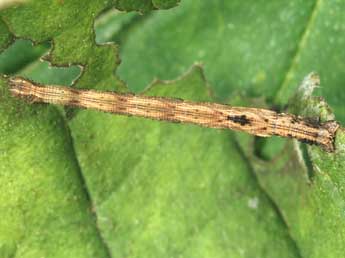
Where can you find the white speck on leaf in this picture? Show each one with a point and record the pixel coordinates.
(253, 203)
(310, 82)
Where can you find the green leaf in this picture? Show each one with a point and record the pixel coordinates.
(321, 50)
(238, 43)
(310, 195)
(263, 48)
(159, 189)
(307, 186)
(130, 5)
(45, 210)
(6, 37)
(144, 5)
(165, 4)
(60, 27)
(174, 190)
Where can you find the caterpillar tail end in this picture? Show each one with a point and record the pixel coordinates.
(331, 127)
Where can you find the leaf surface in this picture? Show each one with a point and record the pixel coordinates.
(159, 189)
(175, 190)
(45, 211)
(307, 186)
(261, 48)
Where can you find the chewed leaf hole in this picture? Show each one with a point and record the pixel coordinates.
(24, 59)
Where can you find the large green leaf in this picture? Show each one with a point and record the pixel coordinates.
(175, 190)
(245, 45)
(262, 47)
(45, 210)
(312, 205)
(308, 190)
(60, 22)
(161, 189)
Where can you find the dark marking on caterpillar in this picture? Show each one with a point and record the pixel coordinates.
(242, 120)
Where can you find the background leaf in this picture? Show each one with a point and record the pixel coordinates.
(161, 189)
(5, 36)
(45, 211)
(263, 48)
(171, 189)
(307, 185)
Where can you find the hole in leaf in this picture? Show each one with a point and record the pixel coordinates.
(20, 54)
(23, 58)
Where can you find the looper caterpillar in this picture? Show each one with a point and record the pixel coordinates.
(260, 122)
